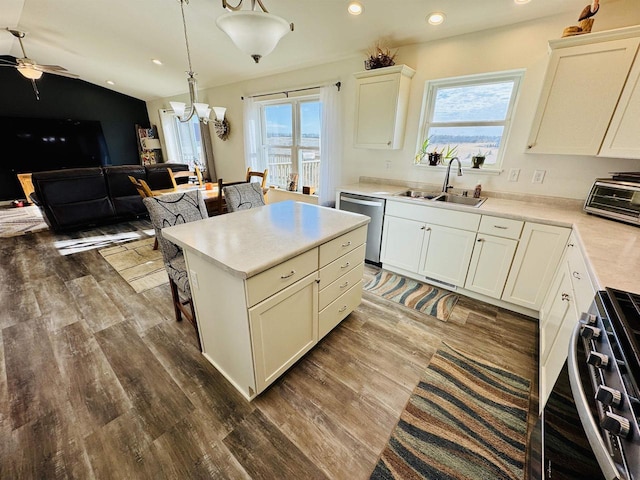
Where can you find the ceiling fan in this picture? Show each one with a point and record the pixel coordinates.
(29, 68)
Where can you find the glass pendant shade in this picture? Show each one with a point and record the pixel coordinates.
(178, 108)
(219, 112)
(202, 110)
(255, 33)
(29, 72)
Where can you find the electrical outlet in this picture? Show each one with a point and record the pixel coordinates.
(538, 176)
(388, 164)
(514, 173)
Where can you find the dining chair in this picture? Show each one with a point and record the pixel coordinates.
(262, 175)
(188, 174)
(243, 196)
(220, 204)
(165, 211)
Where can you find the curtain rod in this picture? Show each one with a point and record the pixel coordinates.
(287, 92)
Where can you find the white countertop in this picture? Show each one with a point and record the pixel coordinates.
(612, 248)
(248, 242)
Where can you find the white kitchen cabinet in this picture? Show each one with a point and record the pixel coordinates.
(534, 264)
(402, 243)
(623, 136)
(582, 88)
(382, 97)
(446, 253)
(490, 264)
(283, 328)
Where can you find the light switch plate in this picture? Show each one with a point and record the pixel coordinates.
(538, 176)
(514, 173)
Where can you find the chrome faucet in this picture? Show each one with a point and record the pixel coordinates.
(445, 185)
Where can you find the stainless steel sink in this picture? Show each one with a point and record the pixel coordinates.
(460, 199)
(443, 197)
(419, 194)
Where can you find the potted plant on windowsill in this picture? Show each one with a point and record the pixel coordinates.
(478, 159)
(422, 152)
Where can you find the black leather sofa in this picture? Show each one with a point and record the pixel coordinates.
(77, 198)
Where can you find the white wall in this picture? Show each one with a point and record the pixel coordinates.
(519, 46)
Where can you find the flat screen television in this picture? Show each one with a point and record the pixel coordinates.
(39, 144)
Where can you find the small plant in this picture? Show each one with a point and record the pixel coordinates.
(422, 152)
(449, 151)
(484, 154)
(379, 57)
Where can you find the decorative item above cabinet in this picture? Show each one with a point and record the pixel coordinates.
(382, 97)
(590, 97)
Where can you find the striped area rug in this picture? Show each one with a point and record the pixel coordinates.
(464, 420)
(138, 263)
(424, 298)
(19, 221)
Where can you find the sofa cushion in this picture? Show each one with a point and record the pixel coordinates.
(158, 177)
(124, 196)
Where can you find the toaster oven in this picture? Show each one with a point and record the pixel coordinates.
(615, 198)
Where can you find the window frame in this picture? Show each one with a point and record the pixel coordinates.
(428, 107)
(170, 124)
(296, 147)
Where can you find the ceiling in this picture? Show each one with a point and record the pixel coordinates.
(115, 40)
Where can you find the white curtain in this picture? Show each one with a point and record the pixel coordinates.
(253, 157)
(330, 145)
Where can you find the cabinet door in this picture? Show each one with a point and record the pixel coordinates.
(623, 136)
(283, 328)
(581, 89)
(536, 260)
(377, 101)
(446, 254)
(490, 264)
(402, 243)
(557, 321)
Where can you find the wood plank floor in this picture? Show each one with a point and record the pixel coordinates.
(97, 381)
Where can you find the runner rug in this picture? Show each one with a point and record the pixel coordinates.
(16, 221)
(424, 298)
(464, 420)
(138, 263)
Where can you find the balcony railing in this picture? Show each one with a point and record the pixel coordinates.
(280, 167)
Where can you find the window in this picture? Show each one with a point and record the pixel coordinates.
(291, 140)
(183, 140)
(471, 113)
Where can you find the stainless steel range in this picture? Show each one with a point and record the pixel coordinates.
(589, 427)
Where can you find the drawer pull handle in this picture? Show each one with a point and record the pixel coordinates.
(577, 275)
(293, 272)
(565, 296)
(344, 285)
(480, 240)
(342, 309)
(348, 244)
(570, 245)
(500, 227)
(345, 265)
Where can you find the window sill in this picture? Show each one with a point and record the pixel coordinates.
(465, 169)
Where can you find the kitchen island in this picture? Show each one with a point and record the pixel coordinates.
(268, 283)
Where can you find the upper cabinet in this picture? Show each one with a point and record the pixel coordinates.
(382, 97)
(590, 80)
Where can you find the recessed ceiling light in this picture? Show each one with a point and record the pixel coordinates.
(355, 8)
(156, 61)
(111, 82)
(435, 18)
(521, 2)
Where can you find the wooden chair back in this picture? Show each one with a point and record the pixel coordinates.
(186, 173)
(262, 175)
(140, 188)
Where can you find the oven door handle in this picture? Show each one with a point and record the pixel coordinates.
(592, 430)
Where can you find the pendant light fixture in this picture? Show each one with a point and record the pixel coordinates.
(182, 111)
(254, 32)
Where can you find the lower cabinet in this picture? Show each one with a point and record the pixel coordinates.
(571, 293)
(490, 264)
(535, 262)
(402, 242)
(446, 253)
(283, 328)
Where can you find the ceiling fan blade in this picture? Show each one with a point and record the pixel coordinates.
(7, 63)
(58, 72)
(52, 67)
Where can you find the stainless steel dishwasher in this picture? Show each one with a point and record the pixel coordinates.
(371, 207)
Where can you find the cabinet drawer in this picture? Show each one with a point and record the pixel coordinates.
(340, 285)
(501, 227)
(434, 215)
(338, 309)
(339, 246)
(330, 273)
(276, 278)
